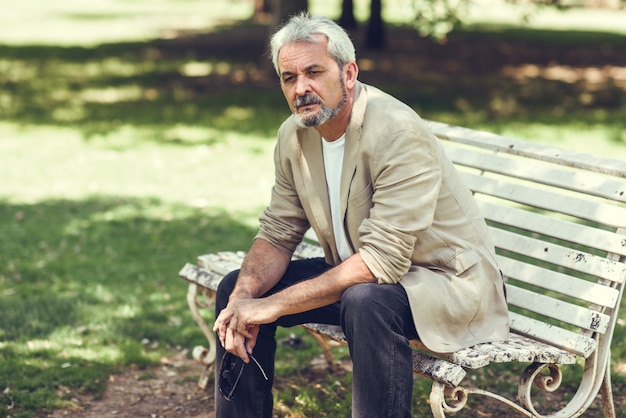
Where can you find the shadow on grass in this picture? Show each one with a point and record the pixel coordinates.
(224, 80)
(90, 286)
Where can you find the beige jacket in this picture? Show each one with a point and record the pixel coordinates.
(406, 211)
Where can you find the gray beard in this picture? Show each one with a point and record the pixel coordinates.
(306, 120)
(325, 113)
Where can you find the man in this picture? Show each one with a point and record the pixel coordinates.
(407, 253)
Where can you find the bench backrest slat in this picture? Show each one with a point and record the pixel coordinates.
(593, 184)
(584, 290)
(574, 342)
(559, 255)
(550, 200)
(576, 233)
(534, 151)
(560, 310)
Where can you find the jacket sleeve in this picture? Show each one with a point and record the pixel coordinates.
(406, 179)
(283, 222)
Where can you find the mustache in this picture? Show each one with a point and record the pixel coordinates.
(307, 99)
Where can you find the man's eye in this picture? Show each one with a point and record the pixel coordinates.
(288, 79)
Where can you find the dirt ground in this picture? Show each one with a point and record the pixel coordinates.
(169, 390)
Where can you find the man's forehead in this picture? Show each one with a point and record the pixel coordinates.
(303, 52)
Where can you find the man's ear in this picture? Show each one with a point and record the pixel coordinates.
(351, 72)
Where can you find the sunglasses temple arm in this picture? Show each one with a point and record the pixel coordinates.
(259, 366)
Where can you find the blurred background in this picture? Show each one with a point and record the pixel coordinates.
(136, 135)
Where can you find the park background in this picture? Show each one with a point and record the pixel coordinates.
(136, 135)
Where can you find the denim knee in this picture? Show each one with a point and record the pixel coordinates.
(372, 305)
(359, 303)
(224, 289)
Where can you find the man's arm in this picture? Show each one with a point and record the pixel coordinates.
(238, 333)
(262, 268)
(322, 290)
(238, 324)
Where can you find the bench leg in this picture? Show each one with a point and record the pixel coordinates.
(201, 354)
(446, 399)
(606, 391)
(324, 345)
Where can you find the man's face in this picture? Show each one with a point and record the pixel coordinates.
(312, 83)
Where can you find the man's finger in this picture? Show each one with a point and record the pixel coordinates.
(235, 343)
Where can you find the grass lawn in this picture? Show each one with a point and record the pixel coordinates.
(125, 153)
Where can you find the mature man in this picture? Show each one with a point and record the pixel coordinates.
(407, 253)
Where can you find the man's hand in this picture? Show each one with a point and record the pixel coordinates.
(237, 326)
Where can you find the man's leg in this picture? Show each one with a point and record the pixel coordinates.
(378, 324)
(252, 397)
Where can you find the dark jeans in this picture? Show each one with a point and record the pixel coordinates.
(378, 324)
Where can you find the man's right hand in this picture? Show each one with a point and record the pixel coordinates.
(231, 340)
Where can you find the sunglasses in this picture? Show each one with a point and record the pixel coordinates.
(231, 370)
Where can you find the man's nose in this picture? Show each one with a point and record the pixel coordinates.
(302, 86)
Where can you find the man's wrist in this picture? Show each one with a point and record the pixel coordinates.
(241, 294)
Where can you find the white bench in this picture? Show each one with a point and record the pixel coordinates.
(558, 219)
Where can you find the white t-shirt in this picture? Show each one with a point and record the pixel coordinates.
(333, 161)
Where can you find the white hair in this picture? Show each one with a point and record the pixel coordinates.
(304, 28)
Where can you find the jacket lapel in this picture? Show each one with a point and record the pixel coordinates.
(314, 179)
(353, 142)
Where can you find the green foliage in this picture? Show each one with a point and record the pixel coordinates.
(436, 18)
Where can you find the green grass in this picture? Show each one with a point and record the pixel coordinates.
(89, 286)
(118, 164)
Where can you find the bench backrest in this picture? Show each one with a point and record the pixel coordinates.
(558, 220)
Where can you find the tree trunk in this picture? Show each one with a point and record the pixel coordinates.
(262, 10)
(283, 9)
(347, 20)
(375, 30)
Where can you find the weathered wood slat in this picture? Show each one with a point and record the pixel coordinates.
(560, 310)
(531, 150)
(201, 276)
(592, 184)
(558, 337)
(593, 211)
(558, 255)
(516, 349)
(554, 227)
(438, 370)
(587, 291)
(223, 262)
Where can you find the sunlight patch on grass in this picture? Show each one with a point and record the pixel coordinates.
(62, 345)
(214, 169)
(196, 69)
(610, 19)
(113, 94)
(111, 20)
(126, 311)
